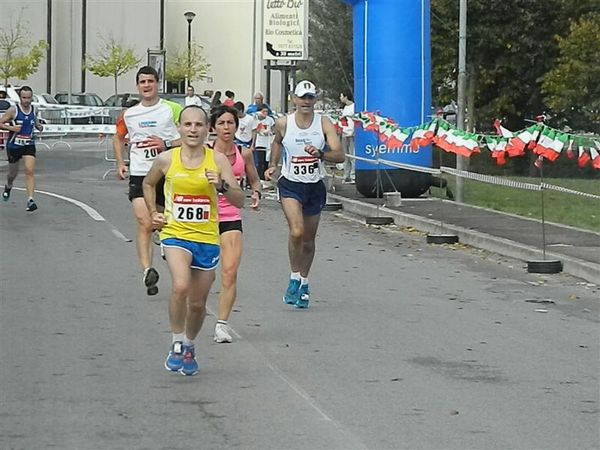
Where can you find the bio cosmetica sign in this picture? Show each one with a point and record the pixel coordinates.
(285, 29)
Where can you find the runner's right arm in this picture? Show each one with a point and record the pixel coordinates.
(276, 147)
(7, 118)
(119, 146)
(157, 171)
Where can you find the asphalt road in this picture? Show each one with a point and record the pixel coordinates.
(404, 346)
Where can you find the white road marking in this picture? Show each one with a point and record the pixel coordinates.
(298, 390)
(87, 208)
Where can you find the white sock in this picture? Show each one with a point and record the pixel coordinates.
(188, 342)
(222, 322)
(295, 276)
(178, 337)
(303, 281)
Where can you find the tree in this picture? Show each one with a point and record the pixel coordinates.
(179, 68)
(18, 58)
(572, 87)
(112, 60)
(329, 63)
(510, 47)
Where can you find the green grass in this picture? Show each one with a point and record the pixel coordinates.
(568, 209)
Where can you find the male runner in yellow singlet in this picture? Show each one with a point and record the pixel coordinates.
(194, 174)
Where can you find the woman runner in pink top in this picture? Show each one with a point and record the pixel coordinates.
(224, 122)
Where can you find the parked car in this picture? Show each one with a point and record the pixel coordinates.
(84, 101)
(44, 100)
(12, 91)
(180, 98)
(79, 99)
(121, 100)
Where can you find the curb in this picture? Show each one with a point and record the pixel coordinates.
(579, 268)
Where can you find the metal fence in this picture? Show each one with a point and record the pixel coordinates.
(81, 115)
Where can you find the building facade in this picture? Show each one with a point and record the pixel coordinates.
(230, 32)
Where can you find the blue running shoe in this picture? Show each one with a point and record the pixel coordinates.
(292, 294)
(189, 366)
(303, 297)
(174, 361)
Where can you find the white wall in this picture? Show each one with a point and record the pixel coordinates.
(229, 31)
(33, 14)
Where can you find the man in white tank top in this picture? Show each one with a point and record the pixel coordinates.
(151, 128)
(303, 140)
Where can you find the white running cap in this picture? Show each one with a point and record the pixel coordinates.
(305, 87)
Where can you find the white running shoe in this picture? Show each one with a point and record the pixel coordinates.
(222, 334)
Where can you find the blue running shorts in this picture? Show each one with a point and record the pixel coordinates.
(204, 256)
(312, 196)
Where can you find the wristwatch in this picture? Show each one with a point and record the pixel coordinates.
(321, 154)
(168, 144)
(223, 188)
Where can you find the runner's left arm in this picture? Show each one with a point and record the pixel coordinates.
(336, 153)
(253, 178)
(234, 194)
(38, 124)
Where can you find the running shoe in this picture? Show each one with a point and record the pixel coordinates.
(174, 361)
(222, 334)
(31, 206)
(189, 366)
(6, 193)
(150, 280)
(292, 294)
(303, 298)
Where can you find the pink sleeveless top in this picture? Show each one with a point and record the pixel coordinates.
(228, 212)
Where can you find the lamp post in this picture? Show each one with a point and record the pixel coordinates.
(189, 16)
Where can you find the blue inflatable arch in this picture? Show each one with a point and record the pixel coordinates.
(392, 76)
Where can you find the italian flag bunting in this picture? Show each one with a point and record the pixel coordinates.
(361, 119)
(516, 145)
(501, 131)
(595, 155)
(386, 128)
(441, 134)
(570, 153)
(544, 141)
(498, 149)
(372, 124)
(423, 135)
(396, 140)
(583, 158)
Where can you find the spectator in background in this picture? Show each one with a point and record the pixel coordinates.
(229, 100)
(264, 138)
(246, 132)
(259, 99)
(215, 102)
(191, 98)
(348, 136)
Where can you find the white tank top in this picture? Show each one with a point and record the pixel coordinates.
(297, 165)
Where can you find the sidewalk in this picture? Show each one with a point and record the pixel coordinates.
(506, 234)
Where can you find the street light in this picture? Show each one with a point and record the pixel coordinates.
(189, 16)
